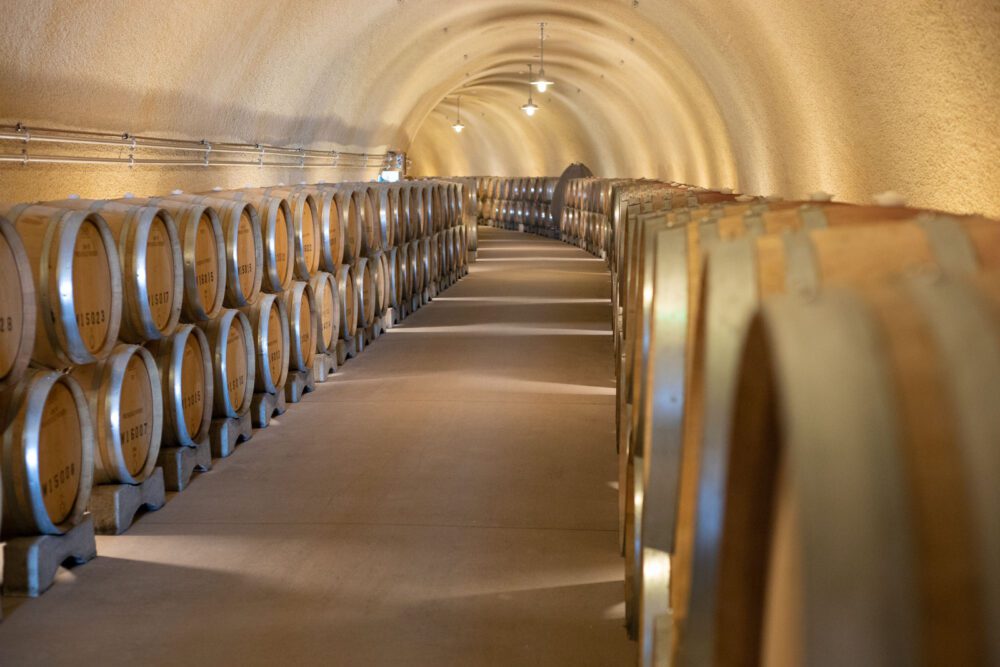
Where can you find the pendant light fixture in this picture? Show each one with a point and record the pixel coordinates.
(458, 127)
(530, 108)
(541, 82)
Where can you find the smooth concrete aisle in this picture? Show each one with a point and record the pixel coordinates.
(447, 500)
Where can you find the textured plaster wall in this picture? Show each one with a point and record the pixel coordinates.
(768, 96)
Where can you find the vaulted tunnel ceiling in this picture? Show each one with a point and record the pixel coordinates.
(767, 96)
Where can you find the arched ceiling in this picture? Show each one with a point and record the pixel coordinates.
(767, 96)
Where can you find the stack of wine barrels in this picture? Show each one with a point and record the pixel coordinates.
(524, 203)
(807, 454)
(128, 325)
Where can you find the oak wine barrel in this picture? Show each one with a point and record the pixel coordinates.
(230, 338)
(347, 287)
(184, 361)
(416, 213)
(404, 279)
(364, 285)
(268, 318)
(301, 306)
(48, 456)
(379, 281)
(17, 307)
(389, 262)
(71, 249)
(327, 296)
(126, 407)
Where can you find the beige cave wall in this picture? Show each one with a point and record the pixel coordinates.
(767, 96)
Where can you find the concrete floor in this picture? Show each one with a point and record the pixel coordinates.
(448, 499)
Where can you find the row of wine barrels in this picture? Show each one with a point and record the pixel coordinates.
(48, 454)
(66, 251)
(536, 189)
(184, 361)
(862, 491)
(834, 251)
(17, 307)
(126, 407)
(678, 373)
(151, 261)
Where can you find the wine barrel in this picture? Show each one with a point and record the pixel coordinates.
(385, 211)
(380, 283)
(17, 307)
(358, 207)
(48, 455)
(278, 233)
(243, 244)
(404, 280)
(126, 407)
(268, 318)
(432, 208)
(434, 257)
(389, 260)
(416, 212)
(862, 491)
(204, 253)
(152, 265)
(364, 285)
(847, 245)
(184, 362)
(327, 296)
(418, 264)
(368, 216)
(347, 287)
(301, 306)
(66, 251)
(230, 338)
(306, 233)
(402, 198)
